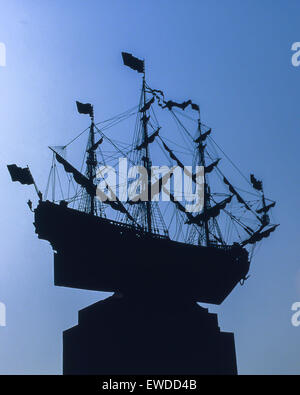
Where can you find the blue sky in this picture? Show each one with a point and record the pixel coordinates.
(234, 59)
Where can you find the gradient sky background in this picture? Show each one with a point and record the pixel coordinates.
(232, 57)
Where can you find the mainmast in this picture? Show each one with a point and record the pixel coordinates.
(146, 158)
(139, 65)
(201, 148)
(91, 163)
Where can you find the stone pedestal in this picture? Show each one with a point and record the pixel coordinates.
(140, 335)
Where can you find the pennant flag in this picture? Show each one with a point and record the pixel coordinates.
(148, 140)
(203, 136)
(133, 62)
(265, 209)
(22, 175)
(85, 108)
(95, 146)
(30, 204)
(170, 104)
(147, 105)
(256, 183)
(195, 107)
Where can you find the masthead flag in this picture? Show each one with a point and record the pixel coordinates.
(195, 107)
(133, 62)
(85, 108)
(19, 174)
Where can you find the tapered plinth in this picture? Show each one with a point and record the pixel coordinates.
(141, 335)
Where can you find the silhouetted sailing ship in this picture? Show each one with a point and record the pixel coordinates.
(140, 250)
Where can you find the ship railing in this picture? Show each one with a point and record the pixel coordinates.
(135, 229)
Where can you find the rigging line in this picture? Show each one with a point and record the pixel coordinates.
(114, 154)
(102, 156)
(188, 151)
(120, 203)
(205, 125)
(171, 221)
(230, 227)
(156, 120)
(71, 183)
(166, 208)
(125, 145)
(151, 125)
(61, 191)
(68, 193)
(181, 152)
(84, 156)
(237, 231)
(73, 198)
(83, 160)
(187, 116)
(113, 157)
(117, 119)
(117, 148)
(226, 230)
(253, 212)
(164, 152)
(239, 189)
(118, 115)
(197, 229)
(178, 228)
(192, 225)
(230, 161)
(212, 147)
(75, 138)
(181, 124)
(219, 194)
(48, 182)
(235, 219)
(117, 122)
(160, 138)
(250, 193)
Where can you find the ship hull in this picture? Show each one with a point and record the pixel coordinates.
(99, 254)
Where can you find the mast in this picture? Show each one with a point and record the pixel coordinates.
(206, 192)
(146, 158)
(91, 163)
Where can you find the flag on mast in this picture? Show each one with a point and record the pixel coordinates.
(133, 62)
(19, 174)
(86, 108)
(256, 183)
